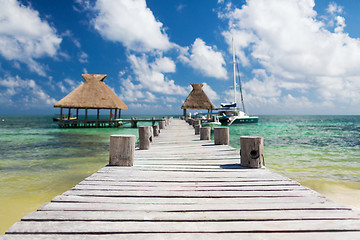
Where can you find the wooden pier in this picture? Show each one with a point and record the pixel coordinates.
(100, 123)
(184, 188)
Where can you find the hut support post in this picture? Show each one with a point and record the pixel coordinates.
(184, 112)
(86, 112)
(69, 114)
(119, 113)
(77, 113)
(61, 113)
(115, 113)
(97, 117)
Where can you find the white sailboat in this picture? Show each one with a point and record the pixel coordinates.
(229, 113)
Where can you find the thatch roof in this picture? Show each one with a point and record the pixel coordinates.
(93, 93)
(197, 99)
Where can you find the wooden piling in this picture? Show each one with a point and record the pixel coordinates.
(221, 136)
(133, 123)
(145, 137)
(197, 129)
(151, 133)
(162, 124)
(196, 122)
(166, 121)
(122, 149)
(252, 151)
(156, 130)
(205, 133)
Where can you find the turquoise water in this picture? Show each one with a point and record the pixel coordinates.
(39, 161)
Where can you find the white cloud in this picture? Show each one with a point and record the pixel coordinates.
(24, 36)
(83, 57)
(205, 59)
(131, 23)
(168, 99)
(333, 8)
(212, 95)
(130, 92)
(25, 93)
(289, 42)
(68, 85)
(340, 24)
(163, 64)
(152, 79)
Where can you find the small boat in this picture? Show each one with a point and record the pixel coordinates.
(234, 115)
(229, 113)
(212, 122)
(64, 117)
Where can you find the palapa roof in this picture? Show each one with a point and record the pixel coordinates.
(197, 99)
(92, 93)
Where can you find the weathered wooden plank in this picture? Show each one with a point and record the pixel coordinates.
(184, 227)
(139, 187)
(194, 194)
(271, 215)
(159, 200)
(215, 184)
(236, 174)
(65, 206)
(191, 236)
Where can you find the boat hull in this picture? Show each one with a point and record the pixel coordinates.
(211, 124)
(240, 120)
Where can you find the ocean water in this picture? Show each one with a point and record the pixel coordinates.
(39, 161)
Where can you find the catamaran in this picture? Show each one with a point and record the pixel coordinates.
(229, 113)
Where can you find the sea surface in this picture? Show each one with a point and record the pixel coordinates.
(38, 160)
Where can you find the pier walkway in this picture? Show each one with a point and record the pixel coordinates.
(184, 188)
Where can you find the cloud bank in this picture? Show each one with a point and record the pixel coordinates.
(25, 37)
(297, 51)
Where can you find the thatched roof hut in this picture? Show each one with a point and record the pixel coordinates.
(91, 94)
(197, 99)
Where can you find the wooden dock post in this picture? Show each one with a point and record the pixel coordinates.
(205, 133)
(197, 129)
(133, 122)
(162, 124)
(156, 130)
(190, 121)
(221, 136)
(252, 151)
(144, 137)
(166, 121)
(122, 149)
(151, 133)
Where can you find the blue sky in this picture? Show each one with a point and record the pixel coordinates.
(295, 56)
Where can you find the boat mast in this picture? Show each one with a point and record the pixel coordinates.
(235, 64)
(234, 70)
(241, 94)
